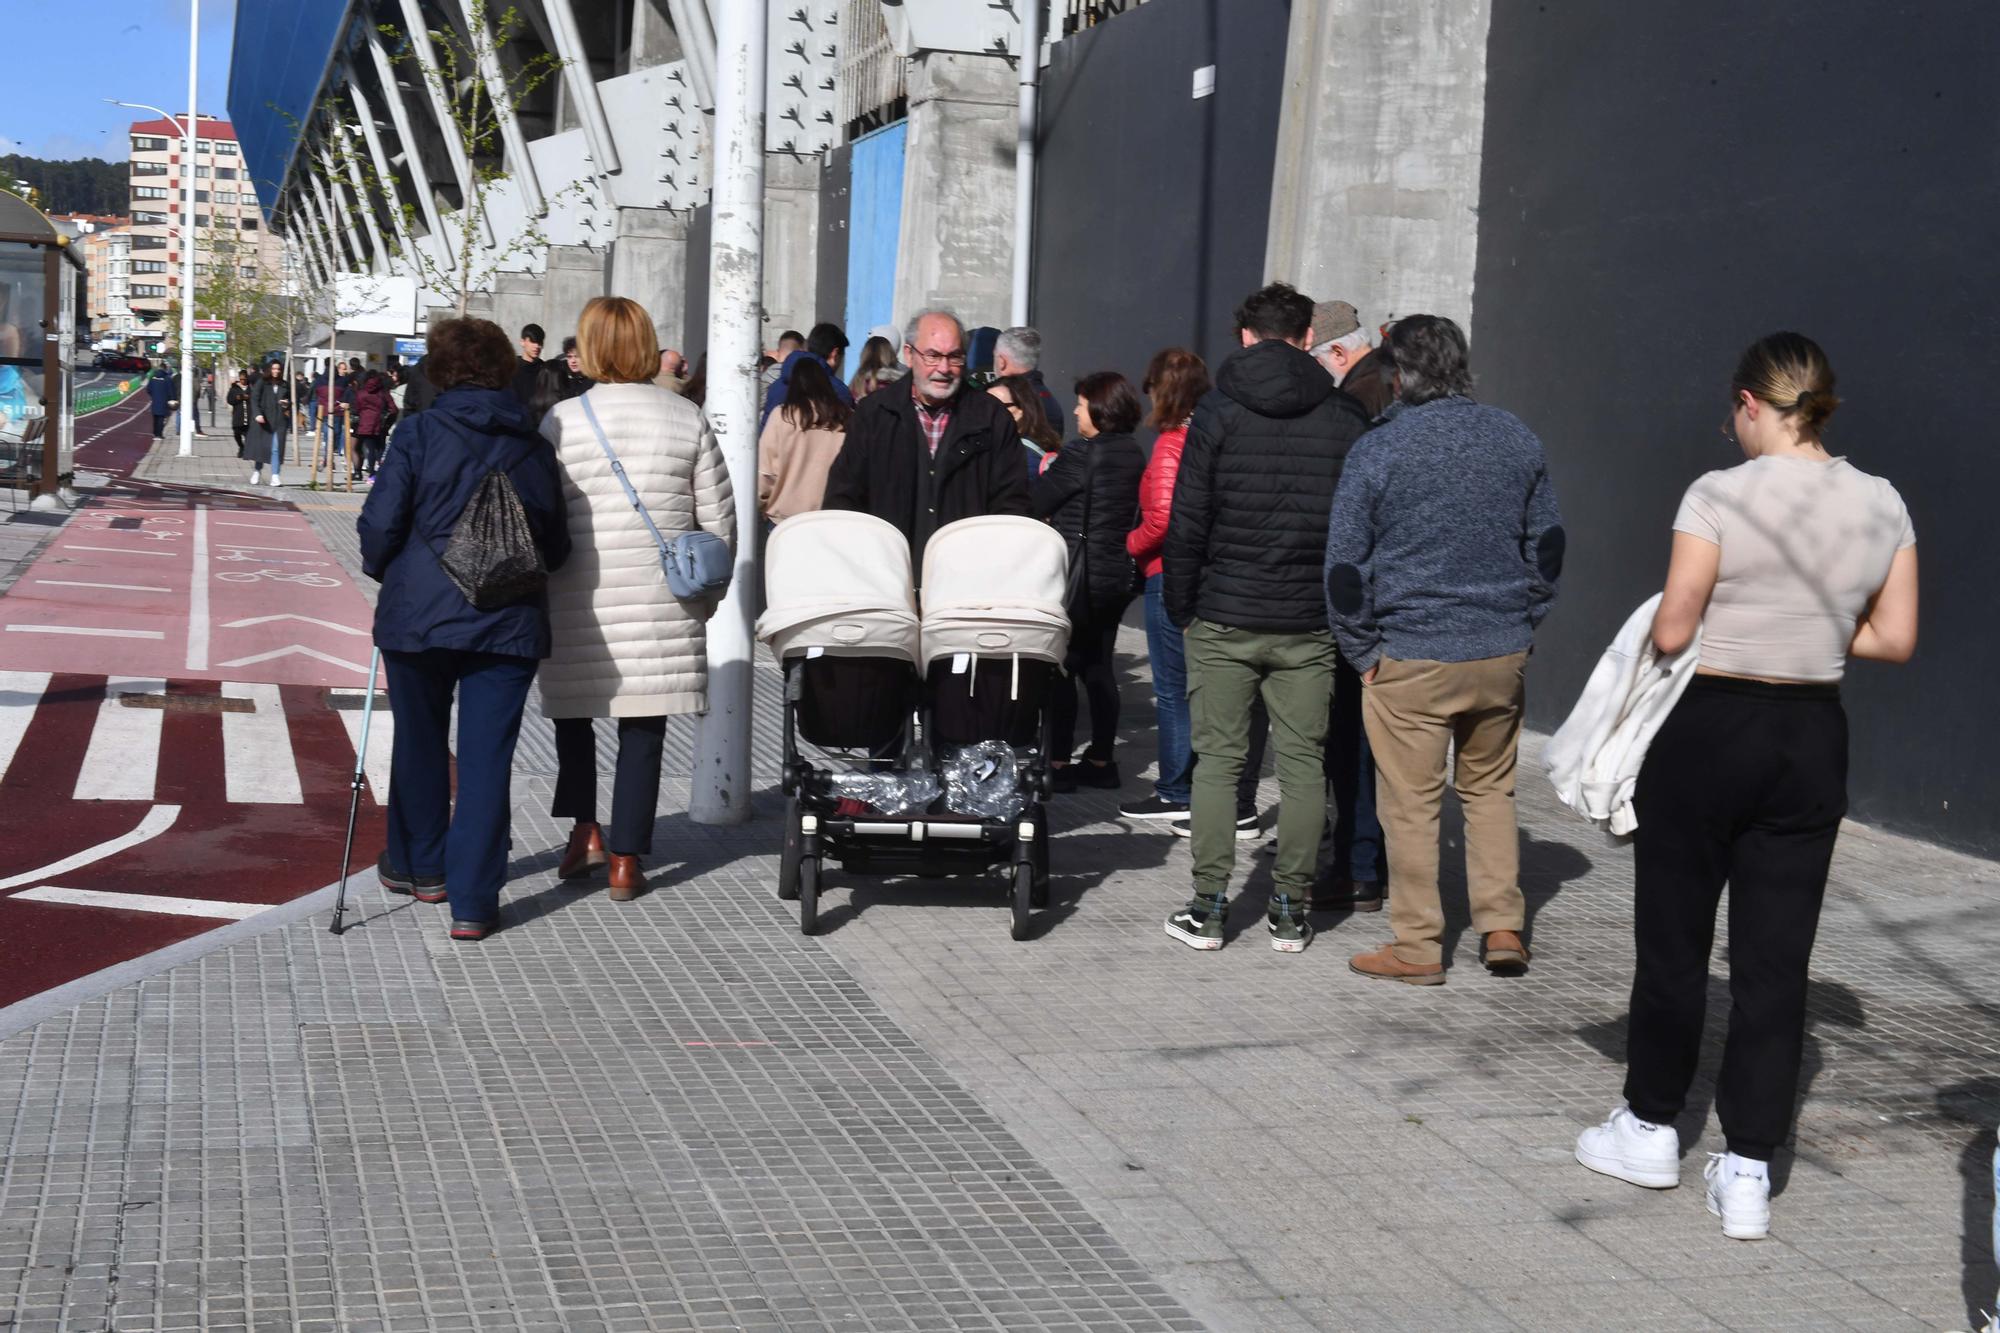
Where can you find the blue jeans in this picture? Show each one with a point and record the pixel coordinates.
(1168, 653)
(1350, 775)
(468, 845)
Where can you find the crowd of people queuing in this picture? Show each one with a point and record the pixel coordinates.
(1342, 555)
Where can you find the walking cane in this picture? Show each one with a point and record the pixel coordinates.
(354, 797)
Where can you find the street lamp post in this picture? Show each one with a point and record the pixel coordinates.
(189, 231)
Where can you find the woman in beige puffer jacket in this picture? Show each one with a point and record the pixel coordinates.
(625, 647)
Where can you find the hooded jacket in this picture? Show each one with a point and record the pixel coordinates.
(1246, 542)
(165, 390)
(1090, 494)
(426, 482)
(774, 396)
(371, 408)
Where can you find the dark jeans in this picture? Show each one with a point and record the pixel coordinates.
(427, 836)
(635, 791)
(371, 452)
(1091, 642)
(1167, 654)
(159, 424)
(1745, 784)
(1350, 776)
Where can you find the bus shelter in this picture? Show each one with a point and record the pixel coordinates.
(41, 290)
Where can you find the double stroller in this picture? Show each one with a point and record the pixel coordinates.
(928, 732)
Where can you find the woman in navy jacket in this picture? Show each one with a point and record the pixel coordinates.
(434, 641)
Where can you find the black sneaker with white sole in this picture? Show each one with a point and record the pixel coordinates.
(1248, 827)
(1199, 924)
(1153, 807)
(424, 888)
(1290, 932)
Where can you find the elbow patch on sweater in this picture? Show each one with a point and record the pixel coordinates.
(1549, 554)
(1343, 589)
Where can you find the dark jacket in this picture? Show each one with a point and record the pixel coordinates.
(427, 479)
(1247, 540)
(371, 408)
(979, 468)
(239, 405)
(1371, 381)
(523, 385)
(165, 391)
(1090, 494)
(1050, 407)
(271, 400)
(419, 394)
(774, 397)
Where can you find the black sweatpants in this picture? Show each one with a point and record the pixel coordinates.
(635, 791)
(1745, 784)
(1091, 645)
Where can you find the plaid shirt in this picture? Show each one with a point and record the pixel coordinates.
(934, 421)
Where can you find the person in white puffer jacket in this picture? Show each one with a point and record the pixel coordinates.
(625, 647)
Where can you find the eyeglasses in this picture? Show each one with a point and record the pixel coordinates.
(939, 358)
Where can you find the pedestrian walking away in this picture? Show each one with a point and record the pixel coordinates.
(1090, 495)
(371, 420)
(1442, 556)
(1788, 564)
(1241, 575)
(270, 415)
(436, 643)
(1357, 366)
(238, 399)
(827, 345)
(800, 441)
(624, 646)
(163, 394)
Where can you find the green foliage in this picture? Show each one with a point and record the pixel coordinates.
(84, 185)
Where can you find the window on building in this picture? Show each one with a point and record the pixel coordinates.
(200, 172)
(150, 219)
(148, 266)
(248, 271)
(142, 290)
(201, 196)
(149, 168)
(225, 173)
(224, 196)
(146, 143)
(148, 192)
(225, 148)
(201, 219)
(149, 242)
(205, 145)
(249, 224)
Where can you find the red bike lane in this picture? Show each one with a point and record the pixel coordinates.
(182, 672)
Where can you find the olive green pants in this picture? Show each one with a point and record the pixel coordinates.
(1226, 669)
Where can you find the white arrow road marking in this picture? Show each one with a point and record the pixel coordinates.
(381, 743)
(289, 615)
(124, 755)
(141, 902)
(258, 766)
(157, 821)
(20, 694)
(358, 668)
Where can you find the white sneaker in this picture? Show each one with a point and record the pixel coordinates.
(1740, 1195)
(1633, 1150)
(253, 475)
(275, 481)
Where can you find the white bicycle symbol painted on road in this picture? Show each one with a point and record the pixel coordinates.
(278, 576)
(238, 558)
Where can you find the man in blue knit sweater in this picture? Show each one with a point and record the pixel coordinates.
(1442, 556)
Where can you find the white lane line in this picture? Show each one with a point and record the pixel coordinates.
(115, 587)
(257, 762)
(292, 615)
(20, 694)
(88, 631)
(141, 902)
(271, 527)
(124, 755)
(259, 546)
(381, 742)
(157, 821)
(122, 550)
(358, 668)
(197, 632)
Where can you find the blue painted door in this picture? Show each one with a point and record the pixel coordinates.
(875, 220)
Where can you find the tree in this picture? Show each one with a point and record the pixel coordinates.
(240, 289)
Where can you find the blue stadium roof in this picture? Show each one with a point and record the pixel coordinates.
(279, 59)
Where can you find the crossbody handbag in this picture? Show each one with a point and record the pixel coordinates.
(697, 564)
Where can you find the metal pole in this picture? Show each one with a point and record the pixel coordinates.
(721, 783)
(1030, 62)
(188, 236)
(354, 796)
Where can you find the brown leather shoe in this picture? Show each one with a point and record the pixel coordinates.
(1505, 954)
(586, 851)
(1385, 966)
(627, 880)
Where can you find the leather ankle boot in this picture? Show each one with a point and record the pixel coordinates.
(627, 880)
(586, 851)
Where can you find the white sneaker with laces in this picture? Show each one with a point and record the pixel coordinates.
(1739, 1192)
(1633, 1150)
(275, 481)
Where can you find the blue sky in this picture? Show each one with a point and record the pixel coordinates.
(61, 67)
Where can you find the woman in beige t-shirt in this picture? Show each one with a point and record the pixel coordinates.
(1788, 564)
(800, 441)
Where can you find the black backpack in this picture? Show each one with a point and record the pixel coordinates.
(492, 557)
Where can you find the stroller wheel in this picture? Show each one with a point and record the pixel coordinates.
(1023, 893)
(808, 895)
(794, 849)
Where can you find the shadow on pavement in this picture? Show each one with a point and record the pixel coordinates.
(1976, 1103)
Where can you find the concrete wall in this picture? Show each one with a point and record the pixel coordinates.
(649, 262)
(958, 188)
(791, 244)
(576, 273)
(1150, 221)
(1662, 186)
(1375, 192)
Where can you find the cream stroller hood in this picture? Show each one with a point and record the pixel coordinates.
(839, 582)
(993, 587)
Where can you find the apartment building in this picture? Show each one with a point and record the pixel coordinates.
(226, 219)
(105, 243)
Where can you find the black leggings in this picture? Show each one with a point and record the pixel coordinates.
(1746, 784)
(635, 791)
(1091, 644)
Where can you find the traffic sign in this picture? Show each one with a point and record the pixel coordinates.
(211, 326)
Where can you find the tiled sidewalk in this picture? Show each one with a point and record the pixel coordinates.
(679, 1114)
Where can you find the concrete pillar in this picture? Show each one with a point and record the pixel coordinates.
(575, 274)
(654, 41)
(649, 265)
(1375, 192)
(791, 245)
(519, 299)
(958, 188)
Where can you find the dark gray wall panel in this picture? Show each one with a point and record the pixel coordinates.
(1663, 183)
(831, 284)
(701, 232)
(1152, 207)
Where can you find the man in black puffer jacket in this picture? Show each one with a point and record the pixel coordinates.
(1243, 568)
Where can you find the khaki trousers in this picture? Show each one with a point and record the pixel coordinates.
(1415, 712)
